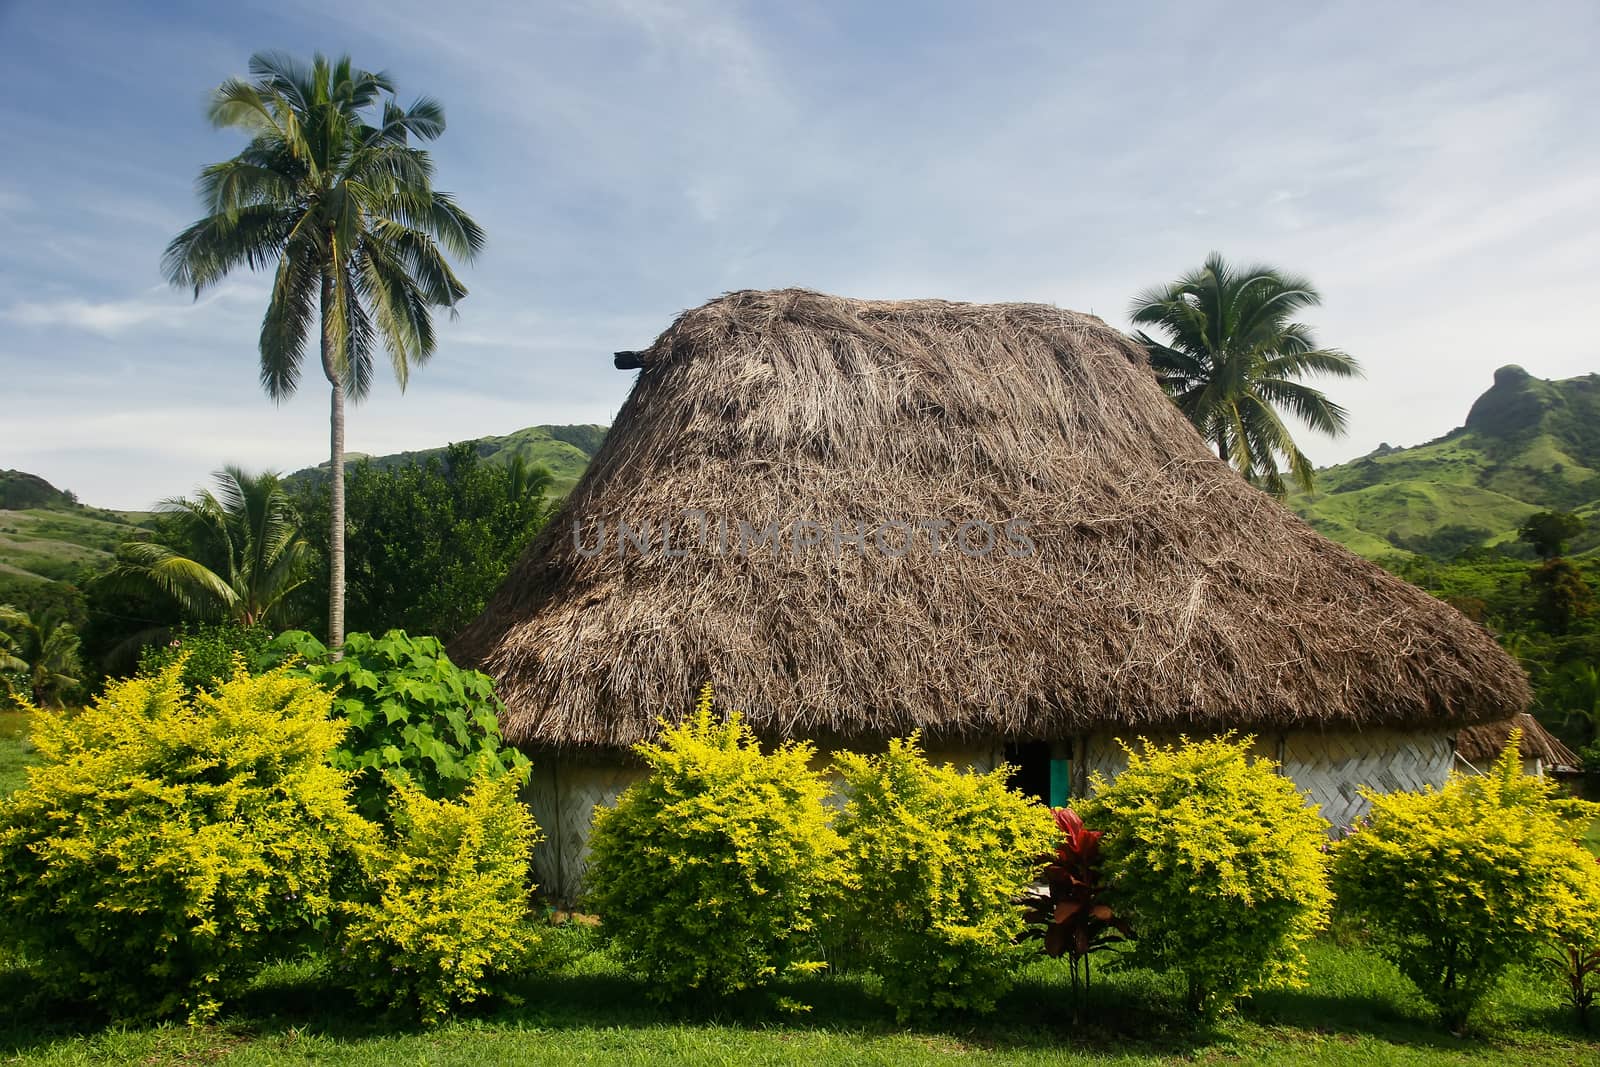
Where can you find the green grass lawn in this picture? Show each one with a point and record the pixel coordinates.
(1591, 839)
(588, 1010)
(16, 752)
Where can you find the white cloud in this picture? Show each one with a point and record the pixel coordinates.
(161, 308)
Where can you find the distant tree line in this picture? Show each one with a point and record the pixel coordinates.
(427, 544)
(1543, 610)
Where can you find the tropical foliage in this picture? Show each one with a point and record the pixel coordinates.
(430, 541)
(334, 197)
(38, 659)
(1216, 860)
(1458, 884)
(714, 873)
(1549, 531)
(1543, 614)
(236, 554)
(208, 653)
(1067, 909)
(938, 858)
(411, 715)
(1232, 360)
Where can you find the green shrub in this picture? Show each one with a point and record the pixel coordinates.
(410, 711)
(710, 873)
(207, 651)
(938, 859)
(1459, 883)
(446, 912)
(1217, 862)
(169, 841)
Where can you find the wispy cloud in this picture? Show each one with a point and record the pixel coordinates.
(159, 309)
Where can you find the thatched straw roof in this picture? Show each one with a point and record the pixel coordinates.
(1163, 590)
(1483, 743)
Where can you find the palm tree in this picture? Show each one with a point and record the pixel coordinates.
(333, 195)
(235, 554)
(45, 653)
(1233, 358)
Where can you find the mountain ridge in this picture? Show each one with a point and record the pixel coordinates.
(565, 449)
(1527, 445)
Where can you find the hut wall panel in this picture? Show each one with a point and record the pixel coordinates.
(563, 802)
(982, 758)
(1332, 766)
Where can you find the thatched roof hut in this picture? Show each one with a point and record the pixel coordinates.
(1157, 590)
(1163, 590)
(1542, 751)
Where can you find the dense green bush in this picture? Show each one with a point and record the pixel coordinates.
(1217, 861)
(168, 841)
(710, 873)
(429, 540)
(411, 712)
(207, 651)
(1459, 883)
(938, 858)
(446, 910)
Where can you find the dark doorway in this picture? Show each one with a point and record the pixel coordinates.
(1031, 776)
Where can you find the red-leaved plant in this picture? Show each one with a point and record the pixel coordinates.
(1578, 965)
(1065, 908)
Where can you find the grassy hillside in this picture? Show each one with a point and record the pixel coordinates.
(1528, 445)
(566, 450)
(46, 535)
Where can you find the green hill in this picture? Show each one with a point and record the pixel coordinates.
(1528, 445)
(46, 535)
(566, 450)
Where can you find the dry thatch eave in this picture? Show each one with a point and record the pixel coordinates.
(1163, 592)
(1482, 744)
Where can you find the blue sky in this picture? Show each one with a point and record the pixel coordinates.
(1434, 168)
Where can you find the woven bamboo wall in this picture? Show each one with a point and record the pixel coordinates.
(563, 795)
(1332, 766)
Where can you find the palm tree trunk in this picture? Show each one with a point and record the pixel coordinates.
(335, 481)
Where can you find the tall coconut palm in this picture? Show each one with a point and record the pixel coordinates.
(334, 197)
(43, 652)
(235, 554)
(1232, 359)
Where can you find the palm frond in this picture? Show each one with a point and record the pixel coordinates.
(1309, 405)
(288, 321)
(204, 253)
(197, 590)
(1328, 361)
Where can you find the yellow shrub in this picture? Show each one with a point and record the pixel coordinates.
(1459, 883)
(167, 842)
(710, 874)
(938, 859)
(1216, 860)
(446, 913)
